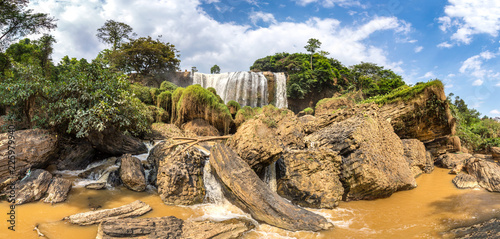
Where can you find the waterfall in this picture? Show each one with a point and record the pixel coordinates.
(246, 88)
(213, 190)
(270, 176)
(281, 101)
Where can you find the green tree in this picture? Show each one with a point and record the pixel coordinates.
(215, 69)
(147, 56)
(17, 21)
(312, 45)
(113, 32)
(45, 49)
(375, 80)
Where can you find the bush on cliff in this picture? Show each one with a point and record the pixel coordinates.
(197, 102)
(233, 107)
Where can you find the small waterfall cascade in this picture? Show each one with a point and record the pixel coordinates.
(281, 100)
(246, 88)
(213, 190)
(270, 176)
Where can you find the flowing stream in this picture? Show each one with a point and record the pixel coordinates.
(425, 212)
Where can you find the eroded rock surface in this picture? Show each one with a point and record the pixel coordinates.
(416, 155)
(451, 160)
(373, 162)
(244, 188)
(200, 127)
(75, 155)
(134, 209)
(464, 181)
(310, 178)
(115, 143)
(58, 190)
(33, 187)
(132, 173)
(486, 172)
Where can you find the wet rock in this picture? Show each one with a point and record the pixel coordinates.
(486, 172)
(75, 155)
(134, 209)
(33, 187)
(34, 148)
(113, 179)
(96, 186)
(58, 190)
(179, 175)
(451, 160)
(132, 173)
(488, 229)
(243, 187)
(416, 156)
(464, 181)
(373, 162)
(112, 142)
(310, 178)
(172, 227)
(200, 127)
(257, 144)
(97, 171)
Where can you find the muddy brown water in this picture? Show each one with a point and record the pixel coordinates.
(425, 212)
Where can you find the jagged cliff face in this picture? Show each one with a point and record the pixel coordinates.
(425, 117)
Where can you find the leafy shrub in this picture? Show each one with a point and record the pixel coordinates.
(142, 93)
(167, 85)
(308, 111)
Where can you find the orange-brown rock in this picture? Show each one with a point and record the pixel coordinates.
(200, 127)
(416, 155)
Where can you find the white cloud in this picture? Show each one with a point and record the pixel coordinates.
(262, 16)
(478, 82)
(451, 75)
(429, 75)
(473, 66)
(329, 3)
(418, 49)
(498, 84)
(445, 45)
(495, 112)
(203, 42)
(469, 17)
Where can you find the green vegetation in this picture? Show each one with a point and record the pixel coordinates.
(233, 107)
(215, 69)
(114, 33)
(403, 93)
(309, 111)
(475, 133)
(167, 85)
(142, 93)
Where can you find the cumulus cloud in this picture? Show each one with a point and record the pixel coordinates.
(495, 112)
(466, 18)
(418, 49)
(445, 45)
(478, 82)
(473, 66)
(429, 75)
(203, 41)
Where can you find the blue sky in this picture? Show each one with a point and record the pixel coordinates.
(456, 41)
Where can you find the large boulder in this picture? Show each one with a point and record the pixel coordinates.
(464, 181)
(310, 178)
(330, 105)
(373, 162)
(179, 173)
(487, 229)
(33, 148)
(486, 172)
(231, 228)
(256, 143)
(58, 190)
(495, 152)
(451, 160)
(164, 131)
(75, 154)
(417, 157)
(243, 187)
(33, 186)
(132, 173)
(443, 145)
(113, 142)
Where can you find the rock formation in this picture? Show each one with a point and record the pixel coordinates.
(416, 156)
(75, 154)
(464, 181)
(58, 190)
(33, 187)
(244, 189)
(451, 160)
(134, 209)
(112, 142)
(486, 172)
(200, 127)
(179, 176)
(34, 148)
(132, 173)
(310, 178)
(373, 162)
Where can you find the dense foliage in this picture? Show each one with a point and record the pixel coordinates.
(475, 133)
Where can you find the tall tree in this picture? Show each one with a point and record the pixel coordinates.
(16, 21)
(312, 45)
(147, 56)
(114, 33)
(45, 46)
(215, 69)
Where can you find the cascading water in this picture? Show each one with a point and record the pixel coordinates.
(247, 88)
(281, 100)
(213, 190)
(270, 176)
